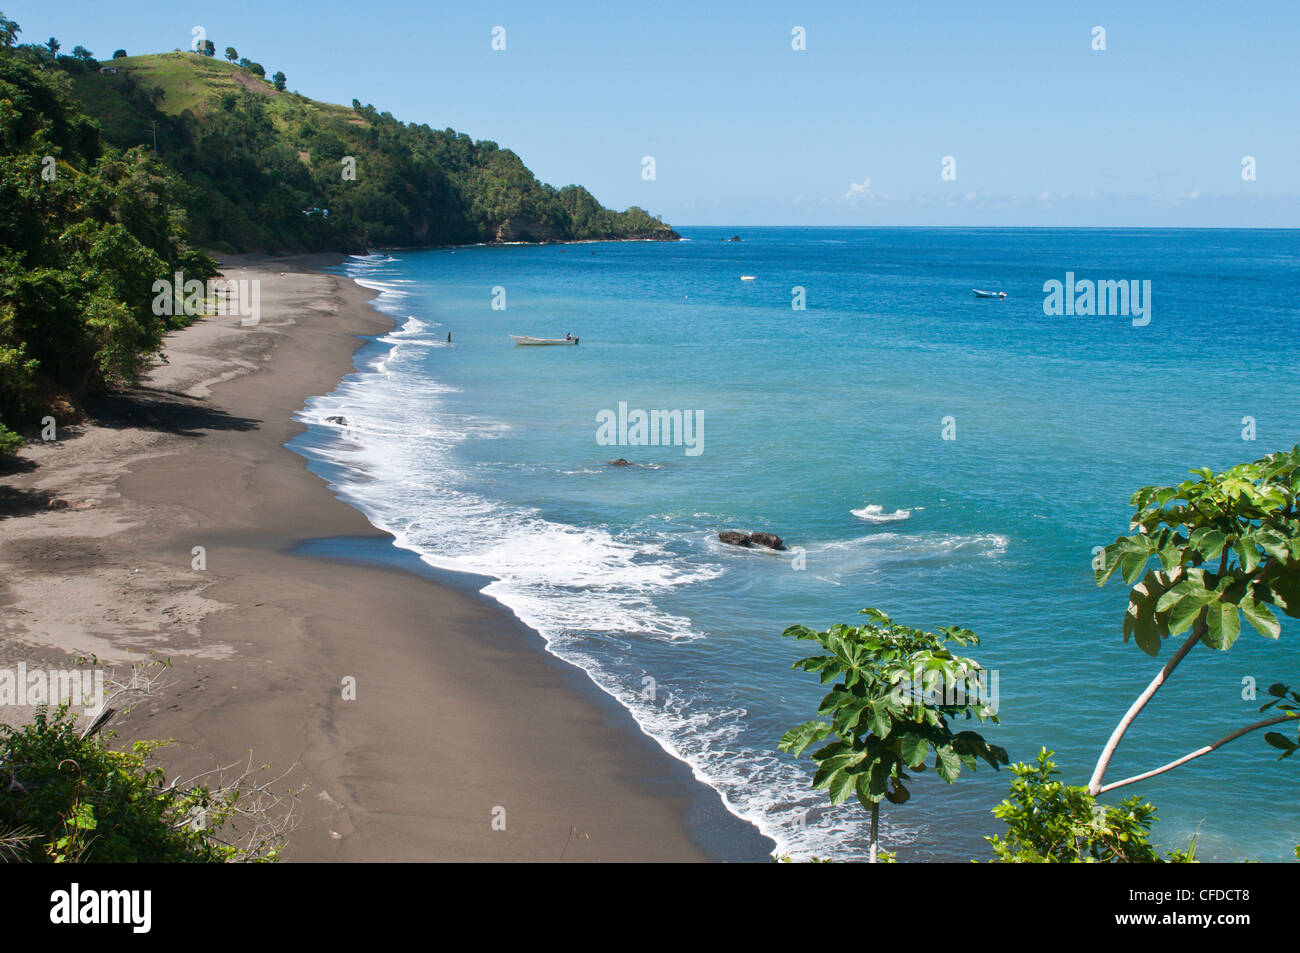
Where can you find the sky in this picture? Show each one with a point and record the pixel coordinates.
(1042, 129)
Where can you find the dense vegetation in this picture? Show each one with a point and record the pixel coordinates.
(85, 230)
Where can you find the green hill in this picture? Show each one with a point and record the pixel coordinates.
(264, 165)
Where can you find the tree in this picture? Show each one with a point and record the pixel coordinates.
(119, 54)
(895, 691)
(83, 54)
(1227, 547)
(232, 54)
(9, 31)
(257, 69)
(279, 80)
(53, 46)
(208, 48)
(78, 254)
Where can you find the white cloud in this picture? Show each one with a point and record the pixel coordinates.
(858, 190)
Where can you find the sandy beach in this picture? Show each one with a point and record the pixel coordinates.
(459, 711)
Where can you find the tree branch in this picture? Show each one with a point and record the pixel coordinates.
(1094, 783)
(1199, 751)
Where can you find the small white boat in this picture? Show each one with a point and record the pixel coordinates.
(746, 277)
(989, 294)
(525, 339)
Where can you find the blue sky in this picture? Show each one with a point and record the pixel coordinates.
(744, 130)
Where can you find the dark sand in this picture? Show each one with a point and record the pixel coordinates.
(459, 709)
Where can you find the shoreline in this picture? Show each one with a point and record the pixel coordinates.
(459, 708)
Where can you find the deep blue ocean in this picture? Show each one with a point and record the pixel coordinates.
(483, 456)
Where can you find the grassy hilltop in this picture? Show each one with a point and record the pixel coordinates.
(258, 158)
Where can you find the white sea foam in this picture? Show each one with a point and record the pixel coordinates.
(414, 333)
(875, 513)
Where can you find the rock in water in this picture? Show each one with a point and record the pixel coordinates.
(620, 462)
(770, 540)
(341, 421)
(748, 540)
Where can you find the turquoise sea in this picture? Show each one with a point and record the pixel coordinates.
(483, 456)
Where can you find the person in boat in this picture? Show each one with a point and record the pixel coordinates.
(568, 336)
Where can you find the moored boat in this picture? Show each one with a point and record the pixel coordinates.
(979, 293)
(525, 339)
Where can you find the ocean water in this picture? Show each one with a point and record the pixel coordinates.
(826, 426)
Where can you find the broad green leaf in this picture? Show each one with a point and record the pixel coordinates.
(915, 748)
(947, 763)
(1110, 557)
(1284, 587)
(1208, 541)
(799, 632)
(1143, 620)
(1223, 625)
(1258, 615)
(879, 719)
(1186, 612)
(1273, 543)
(841, 786)
(1247, 555)
(1282, 743)
(798, 738)
(1132, 565)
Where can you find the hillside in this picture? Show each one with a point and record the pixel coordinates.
(265, 165)
(94, 217)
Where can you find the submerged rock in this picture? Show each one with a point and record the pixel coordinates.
(620, 462)
(341, 421)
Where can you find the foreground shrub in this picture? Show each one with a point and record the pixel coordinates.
(65, 797)
(1052, 822)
